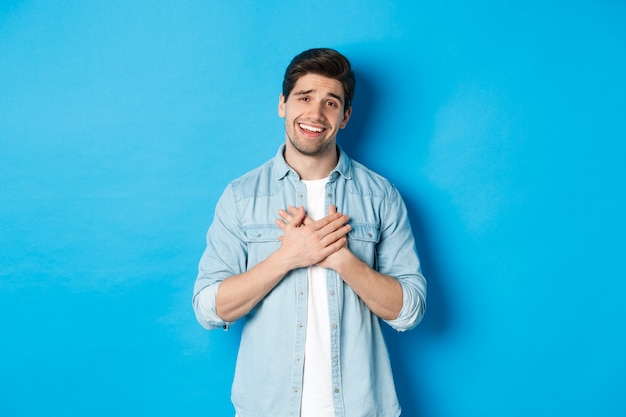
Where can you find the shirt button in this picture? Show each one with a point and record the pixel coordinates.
(336, 390)
(299, 325)
(334, 326)
(330, 195)
(332, 293)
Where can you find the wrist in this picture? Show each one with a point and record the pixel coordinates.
(344, 262)
(281, 262)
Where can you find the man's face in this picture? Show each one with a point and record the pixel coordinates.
(314, 113)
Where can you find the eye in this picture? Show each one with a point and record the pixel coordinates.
(330, 103)
(303, 98)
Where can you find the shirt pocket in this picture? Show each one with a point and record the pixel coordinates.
(362, 241)
(262, 240)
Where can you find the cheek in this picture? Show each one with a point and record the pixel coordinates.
(339, 120)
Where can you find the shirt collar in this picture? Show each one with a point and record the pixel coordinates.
(282, 169)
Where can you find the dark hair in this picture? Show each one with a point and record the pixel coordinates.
(322, 61)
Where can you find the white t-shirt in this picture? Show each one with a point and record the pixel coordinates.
(317, 399)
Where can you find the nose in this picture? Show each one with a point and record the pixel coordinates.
(316, 111)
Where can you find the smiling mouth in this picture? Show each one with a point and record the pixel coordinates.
(310, 128)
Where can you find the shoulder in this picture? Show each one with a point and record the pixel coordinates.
(369, 182)
(254, 182)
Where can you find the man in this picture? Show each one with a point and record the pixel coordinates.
(311, 250)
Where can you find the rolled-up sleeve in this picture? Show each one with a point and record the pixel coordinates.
(204, 306)
(413, 304)
(225, 255)
(397, 257)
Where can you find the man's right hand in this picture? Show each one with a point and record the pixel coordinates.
(306, 242)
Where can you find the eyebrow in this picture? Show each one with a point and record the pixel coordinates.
(305, 92)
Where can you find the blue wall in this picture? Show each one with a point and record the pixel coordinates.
(504, 126)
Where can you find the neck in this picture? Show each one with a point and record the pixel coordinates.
(312, 167)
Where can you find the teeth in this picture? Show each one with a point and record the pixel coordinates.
(311, 128)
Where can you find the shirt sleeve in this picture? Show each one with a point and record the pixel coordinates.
(397, 257)
(225, 255)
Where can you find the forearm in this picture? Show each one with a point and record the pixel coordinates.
(380, 292)
(237, 295)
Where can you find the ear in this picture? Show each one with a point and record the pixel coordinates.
(281, 105)
(346, 117)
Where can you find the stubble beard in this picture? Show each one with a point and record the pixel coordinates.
(308, 147)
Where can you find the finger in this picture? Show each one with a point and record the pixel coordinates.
(325, 221)
(335, 246)
(307, 219)
(335, 235)
(332, 222)
(292, 214)
(285, 215)
(298, 217)
(281, 224)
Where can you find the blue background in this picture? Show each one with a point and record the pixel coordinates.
(503, 125)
